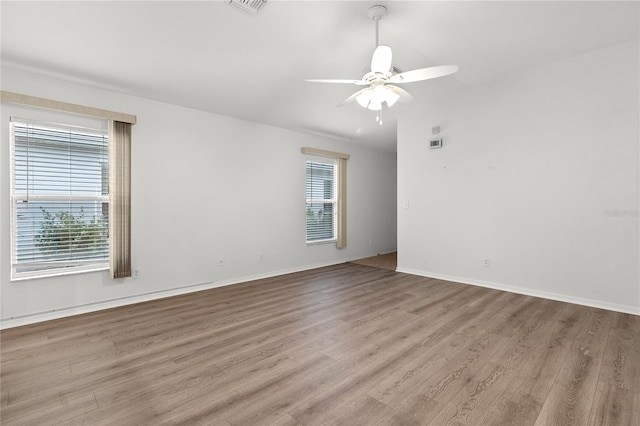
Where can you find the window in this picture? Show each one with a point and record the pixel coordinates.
(326, 190)
(321, 201)
(59, 199)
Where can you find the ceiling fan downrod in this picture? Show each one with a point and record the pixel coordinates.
(375, 14)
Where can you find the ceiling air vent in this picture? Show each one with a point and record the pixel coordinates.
(252, 7)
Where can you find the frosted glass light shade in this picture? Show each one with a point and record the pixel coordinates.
(375, 104)
(390, 97)
(373, 98)
(364, 98)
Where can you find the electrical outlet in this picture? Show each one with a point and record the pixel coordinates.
(486, 262)
(135, 274)
(221, 261)
(260, 257)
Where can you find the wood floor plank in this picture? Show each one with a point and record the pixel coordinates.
(284, 420)
(300, 389)
(413, 377)
(62, 409)
(474, 400)
(571, 397)
(384, 261)
(175, 401)
(273, 347)
(163, 379)
(346, 344)
(235, 337)
(455, 319)
(395, 387)
(414, 410)
(4, 398)
(442, 384)
(245, 396)
(329, 402)
(370, 333)
(522, 399)
(621, 363)
(363, 411)
(614, 405)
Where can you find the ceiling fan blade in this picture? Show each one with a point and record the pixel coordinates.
(381, 60)
(405, 97)
(423, 74)
(321, 80)
(352, 97)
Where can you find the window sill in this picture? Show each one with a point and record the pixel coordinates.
(24, 276)
(321, 242)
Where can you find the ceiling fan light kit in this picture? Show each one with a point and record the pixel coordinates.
(379, 91)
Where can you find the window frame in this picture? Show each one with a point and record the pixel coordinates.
(17, 198)
(334, 201)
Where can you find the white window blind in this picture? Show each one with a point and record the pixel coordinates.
(59, 200)
(321, 201)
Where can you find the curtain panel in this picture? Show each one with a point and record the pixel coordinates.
(120, 199)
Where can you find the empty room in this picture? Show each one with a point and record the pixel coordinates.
(265, 212)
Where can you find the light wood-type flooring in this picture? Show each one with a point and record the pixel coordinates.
(383, 261)
(346, 344)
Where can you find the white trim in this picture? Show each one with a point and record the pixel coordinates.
(154, 295)
(56, 272)
(320, 242)
(528, 292)
(317, 201)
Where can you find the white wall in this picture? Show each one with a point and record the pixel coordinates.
(204, 186)
(540, 173)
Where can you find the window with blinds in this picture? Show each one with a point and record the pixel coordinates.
(60, 195)
(321, 205)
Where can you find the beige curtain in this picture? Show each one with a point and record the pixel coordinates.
(342, 203)
(120, 199)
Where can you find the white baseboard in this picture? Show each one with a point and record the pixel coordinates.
(160, 294)
(528, 292)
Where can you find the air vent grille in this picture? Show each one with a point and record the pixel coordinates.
(252, 7)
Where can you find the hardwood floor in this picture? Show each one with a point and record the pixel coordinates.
(347, 344)
(384, 261)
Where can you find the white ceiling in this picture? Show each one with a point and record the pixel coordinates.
(210, 56)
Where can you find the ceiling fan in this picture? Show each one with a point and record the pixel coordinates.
(379, 80)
